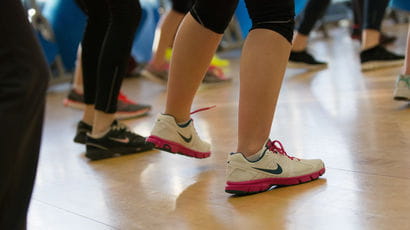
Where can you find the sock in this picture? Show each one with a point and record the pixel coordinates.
(99, 135)
(254, 157)
(184, 124)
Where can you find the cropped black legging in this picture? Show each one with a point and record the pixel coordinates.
(275, 15)
(182, 6)
(314, 10)
(370, 12)
(106, 47)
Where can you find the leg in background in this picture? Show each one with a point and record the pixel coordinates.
(300, 57)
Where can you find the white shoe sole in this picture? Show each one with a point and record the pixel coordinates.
(402, 94)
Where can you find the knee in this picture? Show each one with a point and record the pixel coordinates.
(213, 15)
(277, 16)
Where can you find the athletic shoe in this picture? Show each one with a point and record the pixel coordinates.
(125, 107)
(183, 139)
(74, 99)
(215, 75)
(119, 140)
(159, 75)
(304, 60)
(402, 90)
(82, 130)
(378, 57)
(274, 167)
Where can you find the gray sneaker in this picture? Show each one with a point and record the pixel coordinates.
(157, 75)
(402, 90)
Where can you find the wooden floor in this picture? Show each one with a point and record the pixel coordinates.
(341, 115)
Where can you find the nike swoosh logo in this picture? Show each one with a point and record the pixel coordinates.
(186, 139)
(123, 140)
(278, 170)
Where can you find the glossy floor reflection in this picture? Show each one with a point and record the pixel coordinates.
(346, 117)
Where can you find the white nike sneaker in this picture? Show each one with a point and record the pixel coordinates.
(167, 135)
(402, 90)
(274, 167)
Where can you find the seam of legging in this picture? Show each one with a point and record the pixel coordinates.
(107, 107)
(197, 16)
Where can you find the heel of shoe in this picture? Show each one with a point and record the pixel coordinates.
(95, 153)
(80, 138)
(173, 147)
(247, 188)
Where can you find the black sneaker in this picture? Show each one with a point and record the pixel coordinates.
(378, 57)
(304, 60)
(118, 141)
(126, 108)
(82, 130)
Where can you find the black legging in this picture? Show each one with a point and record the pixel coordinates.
(277, 16)
(182, 6)
(370, 12)
(106, 47)
(373, 13)
(23, 82)
(314, 10)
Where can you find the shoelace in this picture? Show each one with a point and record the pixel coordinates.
(203, 109)
(273, 146)
(120, 126)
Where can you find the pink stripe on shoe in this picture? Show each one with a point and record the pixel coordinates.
(174, 147)
(254, 186)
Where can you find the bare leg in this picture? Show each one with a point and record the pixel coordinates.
(407, 61)
(300, 42)
(370, 38)
(264, 59)
(194, 47)
(78, 73)
(165, 36)
(102, 122)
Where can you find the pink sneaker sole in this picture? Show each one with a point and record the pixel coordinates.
(261, 185)
(174, 147)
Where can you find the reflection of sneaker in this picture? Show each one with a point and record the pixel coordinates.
(82, 130)
(304, 60)
(119, 140)
(125, 107)
(402, 90)
(378, 57)
(159, 75)
(274, 167)
(169, 136)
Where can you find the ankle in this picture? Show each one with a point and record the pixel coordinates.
(179, 118)
(96, 134)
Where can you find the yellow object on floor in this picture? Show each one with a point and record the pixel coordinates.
(216, 61)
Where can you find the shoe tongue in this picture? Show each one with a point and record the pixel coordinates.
(268, 143)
